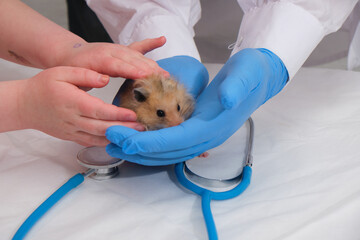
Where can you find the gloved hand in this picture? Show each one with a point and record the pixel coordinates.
(247, 80)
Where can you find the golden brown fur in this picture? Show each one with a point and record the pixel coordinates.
(148, 97)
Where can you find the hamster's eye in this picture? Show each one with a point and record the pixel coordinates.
(178, 108)
(160, 113)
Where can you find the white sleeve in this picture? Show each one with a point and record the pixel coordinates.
(128, 21)
(291, 29)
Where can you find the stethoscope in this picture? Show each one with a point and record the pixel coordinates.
(191, 174)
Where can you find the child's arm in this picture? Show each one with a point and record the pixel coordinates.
(52, 103)
(30, 39)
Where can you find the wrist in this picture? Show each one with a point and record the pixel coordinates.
(64, 52)
(12, 117)
(278, 73)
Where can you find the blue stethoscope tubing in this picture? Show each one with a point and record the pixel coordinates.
(208, 195)
(72, 183)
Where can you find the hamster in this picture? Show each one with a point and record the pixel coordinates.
(158, 102)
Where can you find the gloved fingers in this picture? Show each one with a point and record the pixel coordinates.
(116, 151)
(117, 134)
(191, 151)
(233, 91)
(187, 152)
(242, 74)
(180, 137)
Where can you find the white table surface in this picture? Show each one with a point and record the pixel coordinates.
(305, 181)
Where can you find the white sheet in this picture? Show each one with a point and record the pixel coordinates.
(305, 181)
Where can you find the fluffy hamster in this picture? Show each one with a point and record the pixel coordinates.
(158, 102)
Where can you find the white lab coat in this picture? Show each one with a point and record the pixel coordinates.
(291, 29)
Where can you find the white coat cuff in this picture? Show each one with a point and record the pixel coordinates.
(287, 30)
(179, 40)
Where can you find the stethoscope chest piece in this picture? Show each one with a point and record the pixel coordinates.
(220, 174)
(96, 158)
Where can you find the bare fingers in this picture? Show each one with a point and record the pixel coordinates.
(89, 140)
(95, 116)
(135, 64)
(148, 45)
(143, 47)
(91, 132)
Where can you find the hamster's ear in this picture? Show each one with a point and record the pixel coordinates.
(140, 94)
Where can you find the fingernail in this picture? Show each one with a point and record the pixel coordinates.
(165, 73)
(104, 78)
(130, 117)
(139, 127)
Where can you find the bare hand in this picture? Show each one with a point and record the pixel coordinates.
(52, 102)
(116, 60)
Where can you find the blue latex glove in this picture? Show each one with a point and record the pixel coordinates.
(247, 80)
